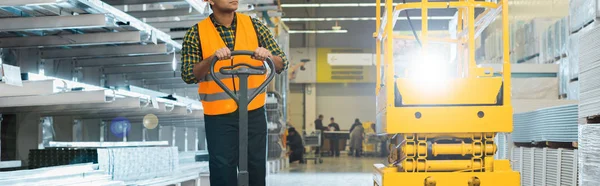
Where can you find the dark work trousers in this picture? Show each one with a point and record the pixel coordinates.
(223, 150)
(334, 147)
(297, 155)
(318, 149)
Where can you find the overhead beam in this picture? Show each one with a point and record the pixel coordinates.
(177, 34)
(163, 81)
(186, 23)
(153, 75)
(175, 24)
(101, 7)
(163, 13)
(137, 69)
(185, 12)
(136, 2)
(72, 40)
(123, 61)
(176, 86)
(8, 3)
(105, 51)
(55, 22)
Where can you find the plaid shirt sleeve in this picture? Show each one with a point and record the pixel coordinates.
(266, 40)
(191, 53)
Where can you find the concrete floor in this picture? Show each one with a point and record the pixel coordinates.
(340, 171)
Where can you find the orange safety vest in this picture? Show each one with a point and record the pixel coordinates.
(214, 99)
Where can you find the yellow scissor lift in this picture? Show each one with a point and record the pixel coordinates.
(444, 135)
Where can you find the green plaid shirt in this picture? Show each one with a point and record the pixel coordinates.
(192, 52)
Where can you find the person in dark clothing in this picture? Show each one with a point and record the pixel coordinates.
(356, 140)
(333, 124)
(334, 146)
(294, 141)
(356, 124)
(319, 126)
(319, 123)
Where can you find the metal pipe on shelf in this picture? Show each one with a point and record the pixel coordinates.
(144, 133)
(77, 130)
(185, 142)
(45, 131)
(196, 140)
(173, 136)
(102, 130)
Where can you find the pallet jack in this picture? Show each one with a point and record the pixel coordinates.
(243, 71)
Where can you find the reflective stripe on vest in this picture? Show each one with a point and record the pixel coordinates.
(218, 74)
(222, 95)
(214, 100)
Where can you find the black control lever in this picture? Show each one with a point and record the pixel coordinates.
(243, 71)
(242, 68)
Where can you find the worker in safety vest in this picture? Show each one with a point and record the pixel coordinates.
(215, 37)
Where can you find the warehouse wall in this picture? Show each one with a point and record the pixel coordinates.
(310, 106)
(296, 106)
(346, 102)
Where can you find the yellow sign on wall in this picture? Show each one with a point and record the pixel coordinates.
(327, 73)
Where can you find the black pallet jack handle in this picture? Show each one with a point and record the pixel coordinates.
(243, 71)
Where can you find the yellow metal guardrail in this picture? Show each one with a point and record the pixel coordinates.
(466, 12)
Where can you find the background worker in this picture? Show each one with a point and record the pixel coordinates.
(294, 141)
(319, 127)
(357, 135)
(354, 125)
(334, 146)
(222, 32)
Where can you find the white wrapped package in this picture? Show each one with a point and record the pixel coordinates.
(492, 46)
(557, 124)
(589, 158)
(543, 48)
(535, 88)
(559, 166)
(557, 38)
(573, 90)
(564, 34)
(138, 163)
(563, 76)
(550, 43)
(573, 55)
(589, 70)
(581, 13)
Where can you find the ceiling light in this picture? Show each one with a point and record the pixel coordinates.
(317, 31)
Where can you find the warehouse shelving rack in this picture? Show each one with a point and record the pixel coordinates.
(100, 40)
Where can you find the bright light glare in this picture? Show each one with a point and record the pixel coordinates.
(429, 73)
